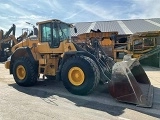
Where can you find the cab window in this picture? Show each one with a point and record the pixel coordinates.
(46, 33)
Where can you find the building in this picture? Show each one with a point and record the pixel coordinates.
(123, 27)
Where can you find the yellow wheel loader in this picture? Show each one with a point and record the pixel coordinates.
(52, 54)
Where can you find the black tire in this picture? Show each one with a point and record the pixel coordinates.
(3, 59)
(31, 71)
(90, 70)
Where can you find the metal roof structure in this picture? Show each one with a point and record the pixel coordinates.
(122, 26)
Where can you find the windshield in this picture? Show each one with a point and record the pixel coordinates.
(61, 31)
(54, 33)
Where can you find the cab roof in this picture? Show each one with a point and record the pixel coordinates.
(52, 20)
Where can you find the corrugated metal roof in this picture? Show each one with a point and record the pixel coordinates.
(107, 26)
(140, 25)
(154, 23)
(122, 26)
(157, 20)
(82, 27)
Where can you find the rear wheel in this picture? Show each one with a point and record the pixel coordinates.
(80, 75)
(25, 72)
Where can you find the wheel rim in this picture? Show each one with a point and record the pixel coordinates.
(21, 72)
(76, 76)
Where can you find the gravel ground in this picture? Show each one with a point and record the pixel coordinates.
(49, 100)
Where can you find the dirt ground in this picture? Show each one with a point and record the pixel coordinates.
(49, 100)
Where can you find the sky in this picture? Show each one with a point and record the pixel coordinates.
(19, 12)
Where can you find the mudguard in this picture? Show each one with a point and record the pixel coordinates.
(21, 52)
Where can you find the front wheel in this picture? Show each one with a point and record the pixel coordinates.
(25, 72)
(80, 75)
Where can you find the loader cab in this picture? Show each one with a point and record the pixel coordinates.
(54, 32)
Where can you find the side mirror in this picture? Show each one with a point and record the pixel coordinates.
(75, 29)
(35, 31)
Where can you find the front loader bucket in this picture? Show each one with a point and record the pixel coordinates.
(129, 83)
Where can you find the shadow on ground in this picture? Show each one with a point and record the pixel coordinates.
(48, 88)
